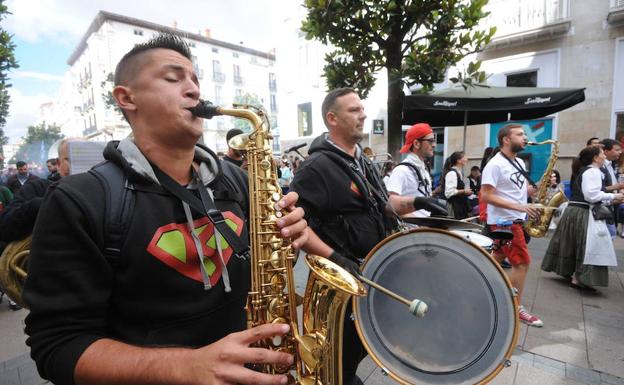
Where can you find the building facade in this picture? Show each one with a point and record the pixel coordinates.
(227, 73)
(555, 43)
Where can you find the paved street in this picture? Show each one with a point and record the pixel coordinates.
(582, 341)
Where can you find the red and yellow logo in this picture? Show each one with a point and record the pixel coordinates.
(355, 189)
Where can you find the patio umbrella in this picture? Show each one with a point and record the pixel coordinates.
(480, 104)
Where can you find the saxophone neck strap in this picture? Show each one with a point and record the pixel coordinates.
(518, 167)
(205, 206)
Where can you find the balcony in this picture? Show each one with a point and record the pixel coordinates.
(527, 21)
(238, 80)
(272, 85)
(616, 12)
(218, 77)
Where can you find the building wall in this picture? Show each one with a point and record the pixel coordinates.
(584, 57)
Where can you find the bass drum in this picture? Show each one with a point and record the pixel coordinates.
(471, 328)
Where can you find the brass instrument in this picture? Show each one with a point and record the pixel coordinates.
(13, 268)
(538, 228)
(272, 299)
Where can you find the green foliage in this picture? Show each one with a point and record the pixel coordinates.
(37, 143)
(246, 99)
(7, 62)
(415, 41)
(107, 94)
(471, 77)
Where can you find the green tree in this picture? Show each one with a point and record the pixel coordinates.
(107, 94)
(248, 100)
(7, 62)
(37, 142)
(415, 41)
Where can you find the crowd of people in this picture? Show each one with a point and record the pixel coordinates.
(107, 305)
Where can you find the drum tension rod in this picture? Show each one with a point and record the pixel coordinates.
(416, 307)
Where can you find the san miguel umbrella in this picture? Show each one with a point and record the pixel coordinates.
(480, 104)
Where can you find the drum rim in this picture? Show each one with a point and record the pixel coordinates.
(516, 332)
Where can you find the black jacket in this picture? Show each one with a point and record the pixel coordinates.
(14, 184)
(18, 218)
(155, 295)
(344, 207)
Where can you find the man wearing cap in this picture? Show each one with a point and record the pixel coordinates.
(233, 155)
(411, 177)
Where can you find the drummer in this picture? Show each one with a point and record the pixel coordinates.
(345, 200)
(505, 186)
(411, 178)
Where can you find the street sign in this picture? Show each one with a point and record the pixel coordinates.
(378, 126)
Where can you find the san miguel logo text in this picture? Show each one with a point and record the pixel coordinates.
(444, 103)
(537, 100)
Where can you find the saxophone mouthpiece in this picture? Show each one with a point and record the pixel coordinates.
(204, 109)
(532, 143)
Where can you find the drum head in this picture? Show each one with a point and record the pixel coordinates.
(476, 238)
(470, 329)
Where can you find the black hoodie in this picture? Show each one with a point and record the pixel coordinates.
(155, 296)
(343, 197)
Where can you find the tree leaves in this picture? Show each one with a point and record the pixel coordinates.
(7, 62)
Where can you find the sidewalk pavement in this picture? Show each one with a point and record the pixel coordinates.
(582, 341)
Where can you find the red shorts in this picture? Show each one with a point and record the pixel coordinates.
(515, 251)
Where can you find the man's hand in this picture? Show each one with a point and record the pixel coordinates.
(292, 225)
(346, 263)
(618, 198)
(222, 363)
(532, 212)
(434, 205)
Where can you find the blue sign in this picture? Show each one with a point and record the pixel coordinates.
(535, 157)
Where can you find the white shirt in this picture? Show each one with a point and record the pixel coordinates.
(450, 182)
(591, 186)
(403, 181)
(509, 184)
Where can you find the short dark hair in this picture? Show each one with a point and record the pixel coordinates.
(608, 144)
(20, 163)
(591, 139)
(232, 133)
(129, 65)
(505, 131)
(52, 161)
(330, 100)
(586, 156)
(475, 168)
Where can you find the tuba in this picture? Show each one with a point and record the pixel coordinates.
(538, 228)
(14, 267)
(317, 348)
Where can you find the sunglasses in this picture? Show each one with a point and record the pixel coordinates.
(431, 141)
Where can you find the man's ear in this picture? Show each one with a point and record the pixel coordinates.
(331, 118)
(123, 98)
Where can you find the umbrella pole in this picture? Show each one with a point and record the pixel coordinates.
(465, 125)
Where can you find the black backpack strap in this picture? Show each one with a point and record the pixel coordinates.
(119, 205)
(421, 181)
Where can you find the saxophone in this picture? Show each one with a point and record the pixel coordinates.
(272, 299)
(538, 228)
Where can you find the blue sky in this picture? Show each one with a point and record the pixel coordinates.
(47, 31)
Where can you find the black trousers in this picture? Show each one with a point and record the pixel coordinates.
(352, 349)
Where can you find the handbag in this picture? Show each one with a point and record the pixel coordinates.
(602, 213)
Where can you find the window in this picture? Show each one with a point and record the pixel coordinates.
(273, 103)
(215, 50)
(238, 93)
(237, 75)
(138, 32)
(217, 95)
(234, 54)
(304, 119)
(217, 75)
(522, 79)
(272, 82)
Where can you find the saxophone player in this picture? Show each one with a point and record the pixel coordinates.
(505, 186)
(166, 307)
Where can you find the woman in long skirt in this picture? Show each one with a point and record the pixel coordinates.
(566, 250)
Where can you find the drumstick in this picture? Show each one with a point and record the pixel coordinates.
(416, 307)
